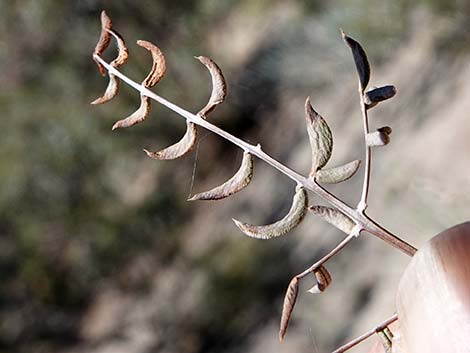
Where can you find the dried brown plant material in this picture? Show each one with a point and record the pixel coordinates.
(156, 73)
(321, 139)
(338, 174)
(219, 86)
(376, 95)
(360, 59)
(104, 40)
(123, 51)
(123, 55)
(380, 137)
(288, 307)
(323, 278)
(239, 181)
(158, 64)
(111, 91)
(179, 149)
(334, 217)
(138, 116)
(283, 226)
(385, 129)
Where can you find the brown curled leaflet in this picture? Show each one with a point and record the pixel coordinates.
(113, 85)
(334, 217)
(219, 86)
(111, 91)
(158, 64)
(360, 59)
(156, 73)
(288, 306)
(239, 181)
(385, 129)
(104, 40)
(323, 279)
(380, 137)
(320, 137)
(123, 51)
(138, 116)
(338, 174)
(179, 149)
(283, 226)
(379, 94)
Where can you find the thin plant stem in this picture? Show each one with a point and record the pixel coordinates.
(332, 253)
(365, 223)
(366, 335)
(362, 205)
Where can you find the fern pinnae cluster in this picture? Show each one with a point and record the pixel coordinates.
(351, 221)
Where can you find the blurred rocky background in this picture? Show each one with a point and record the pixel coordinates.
(99, 250)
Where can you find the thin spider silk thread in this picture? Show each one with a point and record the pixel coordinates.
(314, 343)
(196, 154)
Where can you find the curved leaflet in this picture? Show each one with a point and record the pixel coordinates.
(239, 181)
(104, 40)
(334, 217)
(283, 226)
(288, 306)
(111, 91)
(219, 86)
(158, 64)
(179, 149)
(380, 137)
(138, 116)
(338, 174)
(323, 278)
(360, 59)
(123, 51)
(123, 54)
(155, 75)
(321, 139)
(376, 95)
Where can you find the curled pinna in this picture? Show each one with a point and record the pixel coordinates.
(179, 149)
(103, 41)
(239, 181)
(323, 279)
(295, 215)
(155, 75)
(219, 86)
(123, 54)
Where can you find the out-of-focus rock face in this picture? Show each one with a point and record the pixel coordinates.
(102, 253)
